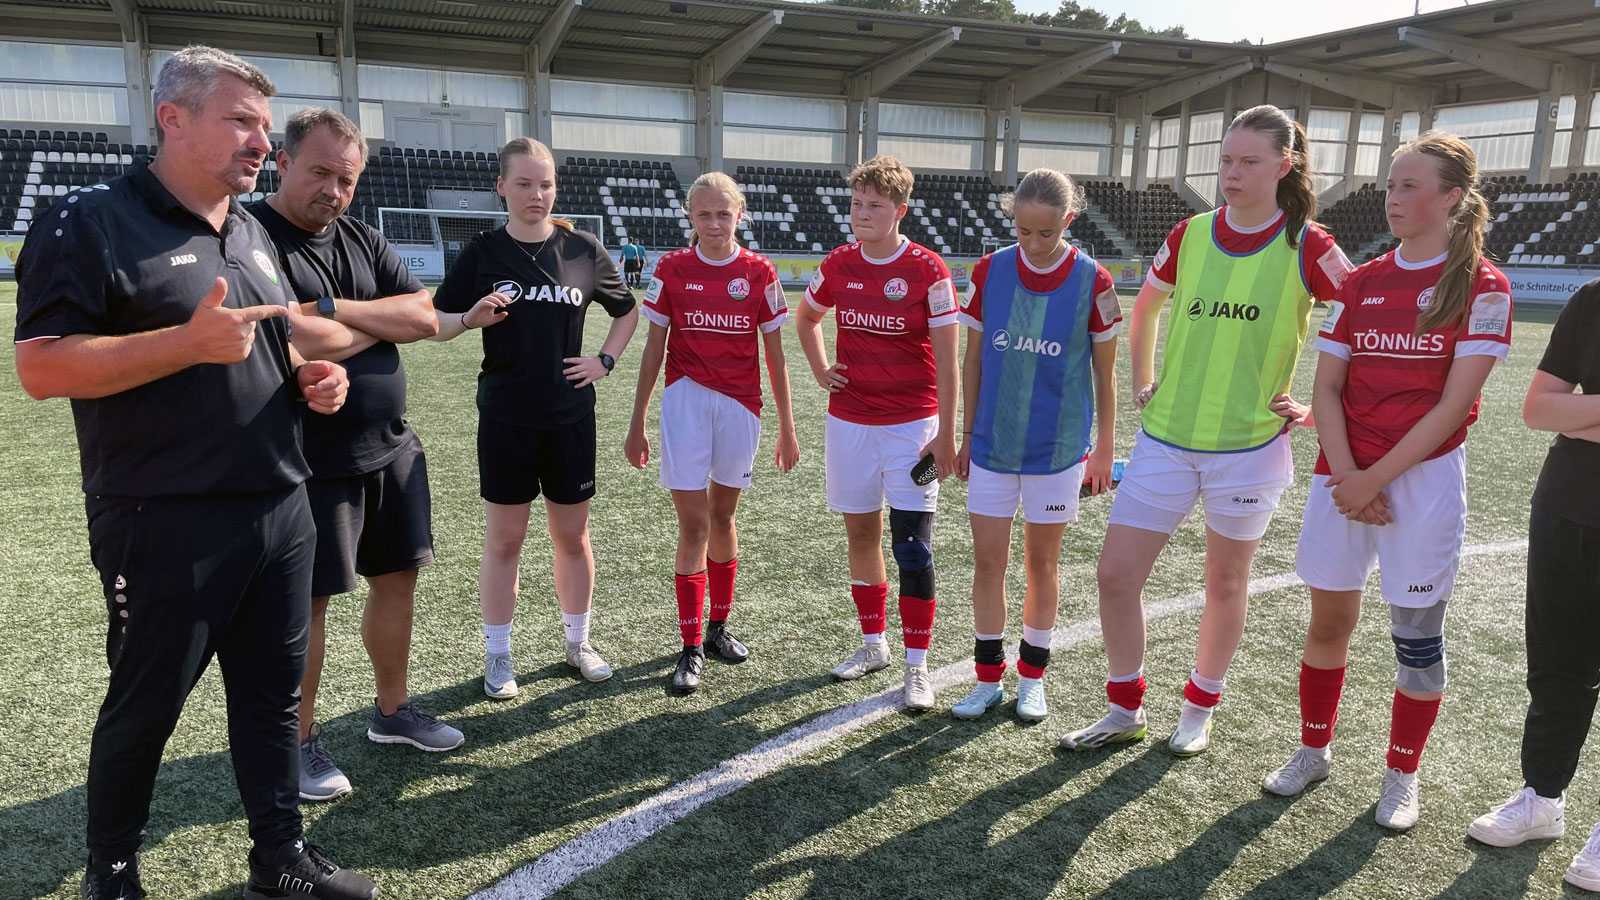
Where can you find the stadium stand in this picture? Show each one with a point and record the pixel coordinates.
(1545, 224)
(1144, 217)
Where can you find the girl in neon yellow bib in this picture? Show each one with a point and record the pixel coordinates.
(1241, 281)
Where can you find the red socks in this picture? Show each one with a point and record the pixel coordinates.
(872, 606)
(1320, 690)
(916, 621)
(1127, 694)
(719, 576)
(1198, 695)
(691, 590)
(1409, 724)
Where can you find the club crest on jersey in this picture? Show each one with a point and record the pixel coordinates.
(265, 264)
(511, 289)
(896, 289)
(738, 289)
(1425, 299)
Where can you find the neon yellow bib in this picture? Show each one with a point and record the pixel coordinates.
(1233, 337)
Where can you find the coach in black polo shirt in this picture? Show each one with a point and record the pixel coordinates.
(156, 304)
(369, 481)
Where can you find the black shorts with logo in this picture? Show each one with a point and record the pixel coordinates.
(377, 523)
(517, 463)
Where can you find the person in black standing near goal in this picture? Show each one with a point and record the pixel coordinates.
(153, 301)
(529, 284)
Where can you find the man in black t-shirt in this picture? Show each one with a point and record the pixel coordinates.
(369, 478)
(1563, 602)
(155, 303)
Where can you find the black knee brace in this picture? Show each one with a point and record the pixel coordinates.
(988, 653)
(912, 533)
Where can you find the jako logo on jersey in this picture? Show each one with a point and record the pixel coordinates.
(1375, 341)
(265, 265)
(1225, 310)
(184, 260)
(559, 294)
(872, 320)
(738, 289)
(1425, 298)
(691, 286)
(854, 286)
(1197, 309)
(1378, 301)
(896, 289)
(1001, 340)
(1419, 588)
(511, 289)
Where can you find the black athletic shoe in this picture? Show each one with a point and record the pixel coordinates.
(691, 662)
(299, 870)
(725, 645)
(117, 880)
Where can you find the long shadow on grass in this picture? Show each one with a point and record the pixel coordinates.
(1187, 875)
(492, 801)
(1333, 863)
(1499, 872)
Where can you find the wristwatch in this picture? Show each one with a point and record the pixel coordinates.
(326, 307)
(608, 361)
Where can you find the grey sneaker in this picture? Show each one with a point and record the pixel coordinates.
(499, 681)
(320, 779)
(918, 687)
(410, 725)
(870, 658)
(1398, 803)
(1308, 764)
(583, 657)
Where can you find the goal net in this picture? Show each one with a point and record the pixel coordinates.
(429, 240)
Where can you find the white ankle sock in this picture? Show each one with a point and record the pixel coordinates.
(1193, 716)
(915, 657)
(576, 626)
(872, 638)
(1038, 637)
(497, 638)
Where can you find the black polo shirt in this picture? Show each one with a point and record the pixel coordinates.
(126, 257)
(1569, 483)
(349, 260)
(552, 284)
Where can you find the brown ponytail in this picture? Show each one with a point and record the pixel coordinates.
(526, 146)
(1458, 168)
(1297, 193)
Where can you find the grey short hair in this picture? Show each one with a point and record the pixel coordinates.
(190, 77)
(302, 123)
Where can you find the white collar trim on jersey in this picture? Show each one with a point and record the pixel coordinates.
(1404, 263)
(716, 262)
(1054, 267)
(904, 243)
(1227, 214)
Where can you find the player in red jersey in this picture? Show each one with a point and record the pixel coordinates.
(892, 404)
(1405, 352)
(707, 307)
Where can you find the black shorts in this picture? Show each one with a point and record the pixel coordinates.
(629, 266)
(517, 463)
(374, 524)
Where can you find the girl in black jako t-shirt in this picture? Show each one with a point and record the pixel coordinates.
(529, 285)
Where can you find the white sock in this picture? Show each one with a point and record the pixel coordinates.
(1038, 637)
(577, 627)
(916, 657)
(1025, 682)
(988, 637)
(497, 638)
(1193, 716)
(872, 638)
(1324, 752)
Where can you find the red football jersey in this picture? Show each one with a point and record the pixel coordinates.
(1104, 317)
(1395, 377)
(885, 308)
(712, 311)
(1323, 265)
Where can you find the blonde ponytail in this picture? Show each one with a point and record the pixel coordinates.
(1458, 168)
(526, 146)
(712, 181)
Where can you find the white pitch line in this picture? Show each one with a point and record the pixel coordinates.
(594, 848)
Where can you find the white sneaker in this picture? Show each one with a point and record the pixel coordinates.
(1585, 869)
(919, 687)
(986, 696)
(1031, 705)
(1308, 764)
(1113, 729)
(499, 681)
(583, 657)
(1399, 803)
(1525, 817)
(870, 658)
(1190, 743)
